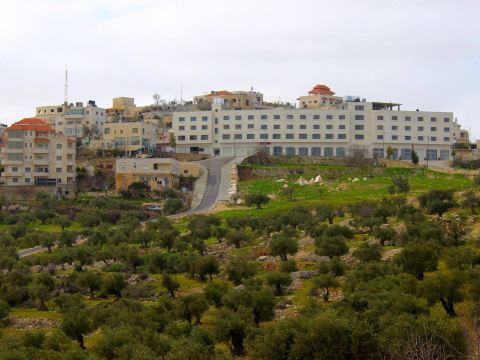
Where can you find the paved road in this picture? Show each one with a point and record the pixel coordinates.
(31, 251)
(214, 167)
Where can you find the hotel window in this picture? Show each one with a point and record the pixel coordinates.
(394, 118)
(58, 170)
(408, 128)
(379, 127)
(446, 129)
(276, 117)
(250, 126)
(316, 117)
(59, 158)
(407, 118)
(193, 127)
(204, 118)
(251, 117)
(303, 117)
(226, 127)
(180, 128)
(359, 117)
(276, 136)
(226, 117)
(264, 136)
(238, 136)
(14, 169)
(446, 120)
(394, 137)
(394, 127)
(226, 136)
(359, 137)
(181, 137)
(59, 146)
(290, 117)
(238, 117)
(181, 118)
(433, 138)
(420, 118)
(302, 136)
(420, 128)
(193, 118)
(433, 128)
(193, 137)
(359, 107)
(276, 127)
(204, 127)
(408, 138)
(341, 127)
(250, 136)
(379, 117)
(15, 180)
(342, 136)
(341, 117)
(446, 138)
(379, 137)
(359, 127)
(204, 137)
(328, 136)
(27, 169)
(329, 127)
(289, 127)
(238, 126)
(433, 119)
(329, 117)
(263, 117)
(289, 136)
(134, 130)
(420, 138)
(315, 136)
(303, 127)
(264, 127)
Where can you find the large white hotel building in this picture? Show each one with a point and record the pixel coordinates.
(323, 125)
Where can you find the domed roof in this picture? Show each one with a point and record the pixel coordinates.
(321, 90)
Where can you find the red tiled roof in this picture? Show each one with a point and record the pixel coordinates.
(220, 93)
(321, 90)
(31, 124)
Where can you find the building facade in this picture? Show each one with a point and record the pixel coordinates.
(234, 100)
(351, 127)
(157, 173)
(131, 137)
(74, 119)
(320, 97)
(36, 155)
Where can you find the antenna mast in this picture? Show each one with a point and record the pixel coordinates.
(65, 91)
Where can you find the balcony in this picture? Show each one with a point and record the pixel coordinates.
(13, 162)
(41, 161)
(41, 151)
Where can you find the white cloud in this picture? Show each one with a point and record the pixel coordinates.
(422, 53)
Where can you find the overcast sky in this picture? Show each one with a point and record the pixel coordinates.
(422, 53)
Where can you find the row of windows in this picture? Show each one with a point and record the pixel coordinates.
(314, 151)
(265, 127)
(193, 137)
(265, 117)
(315, 117)
(274, 137)
(409, 128)
(419, 138)
(409, 118)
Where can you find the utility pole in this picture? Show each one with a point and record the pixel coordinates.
(65, 90)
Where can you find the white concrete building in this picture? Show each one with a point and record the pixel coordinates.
(366, 127)
(74, 119)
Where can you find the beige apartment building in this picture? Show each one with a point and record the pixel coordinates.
(232, 100)
(131, 137)
(74, 119)
(320, 97)
(36, 155)
(351, 127)
(157, 173)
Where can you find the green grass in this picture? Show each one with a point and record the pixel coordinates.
(35, 314)
(341, 190)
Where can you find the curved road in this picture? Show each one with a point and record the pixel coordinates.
(214, 178)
